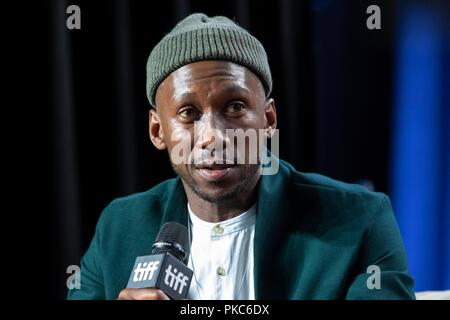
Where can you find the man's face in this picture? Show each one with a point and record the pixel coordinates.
(196, 104)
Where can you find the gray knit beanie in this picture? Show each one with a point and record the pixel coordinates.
(199, 37)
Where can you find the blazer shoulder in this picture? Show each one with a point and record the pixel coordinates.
(133, 207)
(336, 196)
(324, 184)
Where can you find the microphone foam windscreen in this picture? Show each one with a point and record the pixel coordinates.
(173, 238)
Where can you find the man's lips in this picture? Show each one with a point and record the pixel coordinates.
(214, 166)
(215, 172)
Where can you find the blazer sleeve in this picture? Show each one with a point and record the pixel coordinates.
(382, 254)
(91, 278)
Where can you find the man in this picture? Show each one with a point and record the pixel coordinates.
(287, 235)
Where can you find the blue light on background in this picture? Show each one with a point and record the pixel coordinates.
(420, 145)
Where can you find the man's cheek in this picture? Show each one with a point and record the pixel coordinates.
(180, 141)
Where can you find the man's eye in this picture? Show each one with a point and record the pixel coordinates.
(235, 107)
(189, 112)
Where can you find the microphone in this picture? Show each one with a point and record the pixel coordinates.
(166, 268)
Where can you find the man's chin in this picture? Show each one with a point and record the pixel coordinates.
(223, 190)
(216, 193)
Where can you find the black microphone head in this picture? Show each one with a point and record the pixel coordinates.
(172, 238)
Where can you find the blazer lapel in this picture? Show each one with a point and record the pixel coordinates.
(270, 222)
(176, 204)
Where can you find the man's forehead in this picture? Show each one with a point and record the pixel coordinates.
(232, 76)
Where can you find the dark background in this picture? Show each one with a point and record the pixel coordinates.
(333, 87)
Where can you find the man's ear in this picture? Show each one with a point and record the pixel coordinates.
(270, 116)
(155, 130)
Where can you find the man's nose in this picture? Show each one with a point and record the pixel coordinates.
(210, 130)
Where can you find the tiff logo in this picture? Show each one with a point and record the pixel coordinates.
(144, 271)
(175, 280)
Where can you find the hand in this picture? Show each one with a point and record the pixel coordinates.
(142, 294)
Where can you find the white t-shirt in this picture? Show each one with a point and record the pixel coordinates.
(221, 257)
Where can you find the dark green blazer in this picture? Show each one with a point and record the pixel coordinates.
(314, 239)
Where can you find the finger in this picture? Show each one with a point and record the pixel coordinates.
(142, 294)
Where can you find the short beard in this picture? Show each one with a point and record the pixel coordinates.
(241, 187)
